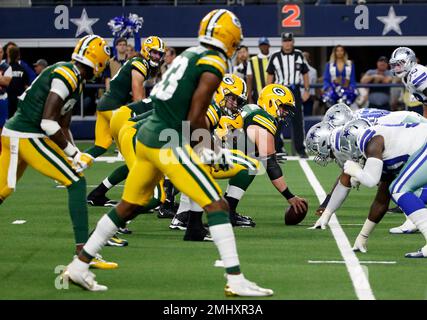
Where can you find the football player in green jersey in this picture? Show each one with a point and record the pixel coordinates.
(38, 134)
(260, 125)
(184, 93)
(126, 86)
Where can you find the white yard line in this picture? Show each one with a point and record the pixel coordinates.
(358, 277)
(342, 262)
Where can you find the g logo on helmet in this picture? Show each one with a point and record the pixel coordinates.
(228, 80)
(236, 21)
(279, 91)
(107, 50)
(149, 40)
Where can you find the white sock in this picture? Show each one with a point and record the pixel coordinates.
(419, 218)
(79, 265)
(235, 278)
(234, 192)
(223, 237)
(105, 229)
(195, 207)
(184, 203)
(107, 184)
(367, 228)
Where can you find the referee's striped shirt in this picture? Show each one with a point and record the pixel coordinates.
(287, 68)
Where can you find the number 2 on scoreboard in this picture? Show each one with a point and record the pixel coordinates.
(293, 20)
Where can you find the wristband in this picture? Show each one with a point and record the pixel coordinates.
(70, 150)
(287, 194)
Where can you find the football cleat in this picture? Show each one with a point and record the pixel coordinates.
(237, 220)
(78, 273)
(101, 201)
(179, 221)
(166, 211)
(406, 228)
(198, 235)
(115, 241)
(99, 263)
(360, 245)
(422, 253)
(239, 286)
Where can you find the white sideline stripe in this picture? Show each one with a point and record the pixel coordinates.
(342, 262)
(355, 270)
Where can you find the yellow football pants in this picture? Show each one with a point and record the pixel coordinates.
(43, 155)
(103, 137)
(182, 166)
(119, 118)
(240, 162)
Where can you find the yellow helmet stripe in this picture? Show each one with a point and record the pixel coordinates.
(161, 44)
(140, 67)
(212, 22)
(266, 123)
(245, 89)
(68, 76)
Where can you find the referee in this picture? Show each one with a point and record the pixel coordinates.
(286, 67)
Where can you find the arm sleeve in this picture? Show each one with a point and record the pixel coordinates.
(337, 197)
(371, 173)
(57, 86)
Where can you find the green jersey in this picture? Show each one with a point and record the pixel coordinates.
(120, 92)
(31, 103)
(139, 107)
(172, 95)
(252, 114)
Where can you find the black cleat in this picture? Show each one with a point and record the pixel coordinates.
(101, 201)
(237, 220)
(179, 221)
(166, 211)
(197, 235)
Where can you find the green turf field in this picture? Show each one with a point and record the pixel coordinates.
(159, 265)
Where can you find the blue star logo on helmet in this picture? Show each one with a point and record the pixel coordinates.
(346, 133)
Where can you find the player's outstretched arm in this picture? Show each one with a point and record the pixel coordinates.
(264, 141)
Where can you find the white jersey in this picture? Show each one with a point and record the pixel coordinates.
(400, 142)
(416, 82)
(378, 116)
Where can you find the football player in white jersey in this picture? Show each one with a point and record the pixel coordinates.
(386, 148)
(343, 185)
(414, 76)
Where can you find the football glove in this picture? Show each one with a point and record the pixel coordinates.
(323, 221)
(82, 161)
(352, 168)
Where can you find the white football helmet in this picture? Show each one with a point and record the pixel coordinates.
(402, 60)
(318, 142)
(348, 143)
(338, 115)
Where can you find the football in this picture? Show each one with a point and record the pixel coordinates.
(292, 218)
